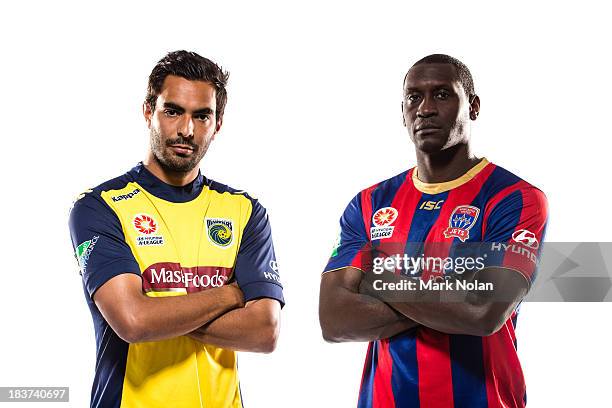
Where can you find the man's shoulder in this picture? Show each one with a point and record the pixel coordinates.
(505, 191)
(390, 184)
(222, 189)
(503, 182)
(92, 197)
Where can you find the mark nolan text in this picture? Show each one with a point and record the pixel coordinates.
(418, 284)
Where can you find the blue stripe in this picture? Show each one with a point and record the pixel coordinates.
(111, 359)
(499, 179)
(405, 374)
(502, 222)
(382, 197)
(366, 391)
(422, 222)
(467, 365)
(385, 192)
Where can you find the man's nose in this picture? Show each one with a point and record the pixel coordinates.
(427, 107)
(186, 126)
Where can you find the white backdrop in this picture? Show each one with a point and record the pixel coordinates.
(313, 117)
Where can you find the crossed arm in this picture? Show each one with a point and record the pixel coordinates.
(347, 315)
(215, 316)
(350, 310)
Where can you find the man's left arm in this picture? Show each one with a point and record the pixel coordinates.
(514, 229)
(256, 326)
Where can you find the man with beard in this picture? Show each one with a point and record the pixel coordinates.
(446, 337)
(178, 270)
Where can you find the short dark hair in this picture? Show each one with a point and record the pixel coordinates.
(192, 67)
(463, 72)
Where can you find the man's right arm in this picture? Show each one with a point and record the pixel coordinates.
(136, 318)
(347, 315)
(112, 279)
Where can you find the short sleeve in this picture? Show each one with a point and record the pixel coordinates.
(515, 229)
(98, 242)
(353, 239)
(256, 269)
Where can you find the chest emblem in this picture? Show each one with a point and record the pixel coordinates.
(461, 221)
(147, 227)
(382, 220)
(220, 231)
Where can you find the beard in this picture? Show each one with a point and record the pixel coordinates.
(171, 161)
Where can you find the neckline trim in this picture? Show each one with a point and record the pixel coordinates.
(435, 188)
(168, 192)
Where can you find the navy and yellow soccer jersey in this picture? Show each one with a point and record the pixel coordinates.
(488, 206)
(179, 240)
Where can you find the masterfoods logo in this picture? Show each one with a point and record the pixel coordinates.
(171, 276)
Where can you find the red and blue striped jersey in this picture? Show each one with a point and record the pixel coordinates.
(423, 367)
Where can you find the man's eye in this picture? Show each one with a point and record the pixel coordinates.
(442, 95)
(413, 98)
(203, 118)
(170, 112)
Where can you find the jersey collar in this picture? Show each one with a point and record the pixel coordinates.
(435, 188)
(165, 191)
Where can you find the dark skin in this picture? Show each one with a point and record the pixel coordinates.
(437, 113)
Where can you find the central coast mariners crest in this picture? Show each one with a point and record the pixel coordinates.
(220, 231)
(461, 221)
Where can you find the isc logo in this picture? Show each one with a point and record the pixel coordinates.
(431, 205)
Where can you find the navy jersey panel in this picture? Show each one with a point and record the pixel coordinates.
(106, 255)
(353, 237)
(256, 269)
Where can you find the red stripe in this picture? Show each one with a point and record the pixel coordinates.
(383, 393)
(433, 348)
(405, 202)
(533, 217)
(505, 383)
(368, 361)
(363, 258)
(463, 195)
(366, 207)
(435, 380)
(497, 198)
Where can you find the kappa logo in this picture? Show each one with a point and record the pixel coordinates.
(462, 219)
(382, 219)
(526, 238)
(146, 226)
(220, 231)
(126, 196)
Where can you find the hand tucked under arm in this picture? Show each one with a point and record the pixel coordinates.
(453, 310)
(253, 328)
(347, 315)
(136, 317)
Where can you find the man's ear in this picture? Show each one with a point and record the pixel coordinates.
(403, 117)
(218, 127)
(147, 113)
(474, 107)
